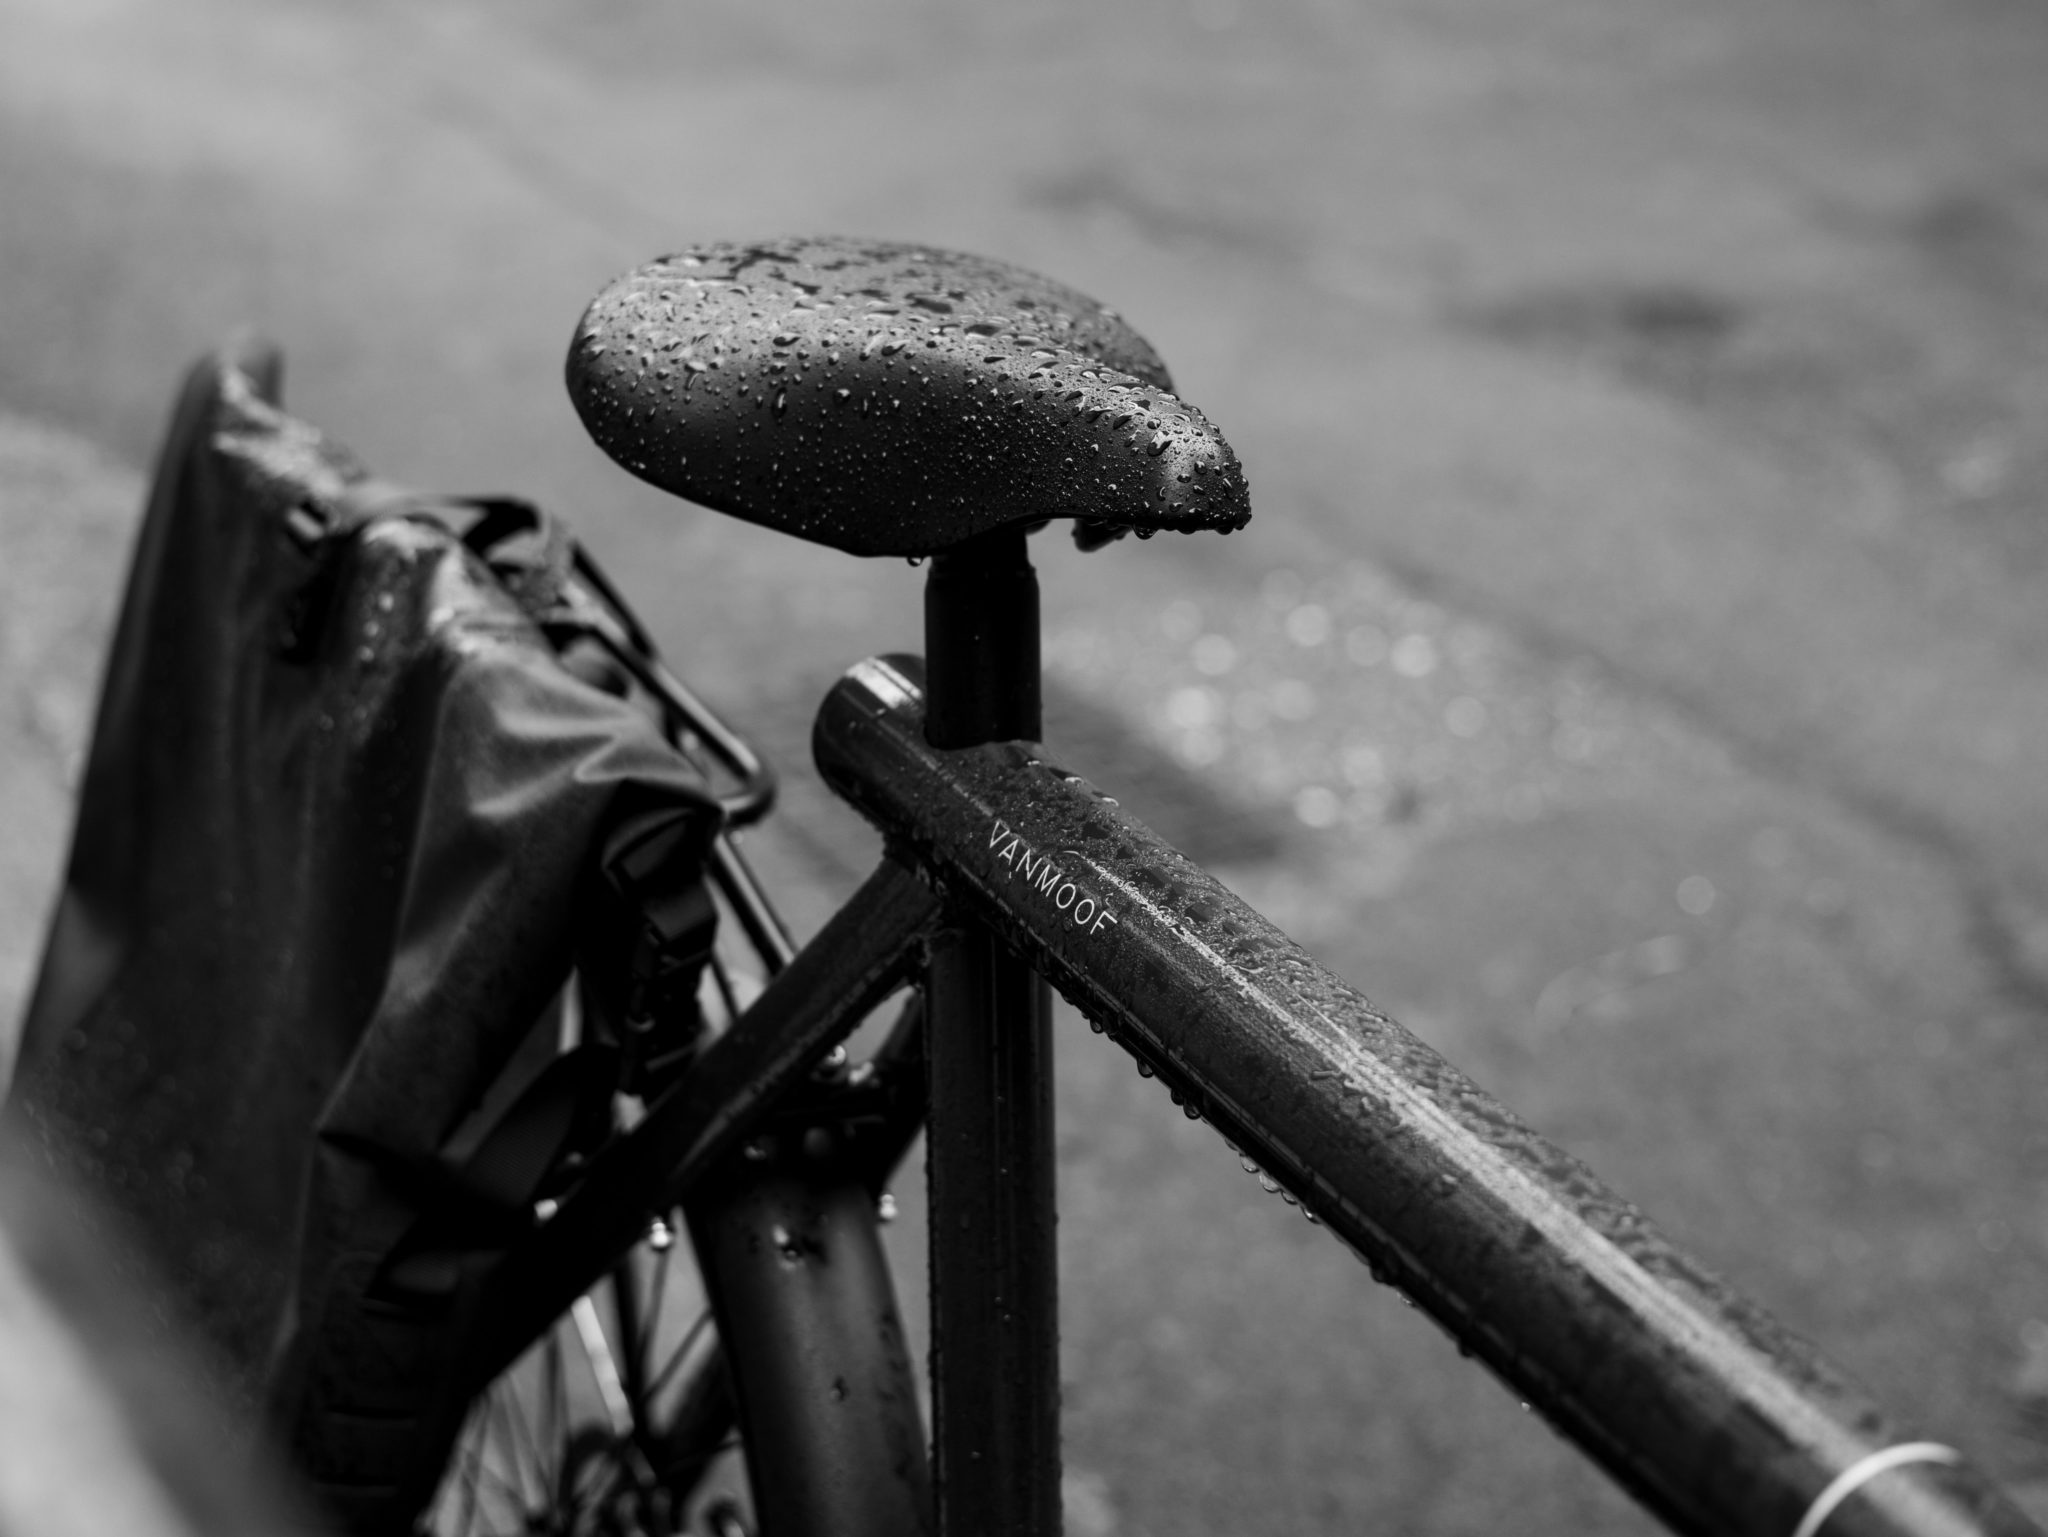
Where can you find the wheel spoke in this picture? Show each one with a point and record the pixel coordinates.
(471, 1451)
(485, 1483)
(555, 1426)
(681, 1353)
(657, 1296)
(525, 1451)
(597, 1352)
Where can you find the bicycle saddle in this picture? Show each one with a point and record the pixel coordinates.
(892, 399)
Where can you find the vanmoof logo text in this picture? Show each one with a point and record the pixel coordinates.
(1040, 873)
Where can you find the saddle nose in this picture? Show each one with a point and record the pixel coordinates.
(889, 399)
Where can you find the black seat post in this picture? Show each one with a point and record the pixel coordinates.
(994, 1259)
(981, 643)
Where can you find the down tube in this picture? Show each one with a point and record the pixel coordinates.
(1689, 1395)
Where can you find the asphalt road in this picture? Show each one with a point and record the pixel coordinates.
(1632, 678)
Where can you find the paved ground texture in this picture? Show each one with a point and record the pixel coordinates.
(1635, 676)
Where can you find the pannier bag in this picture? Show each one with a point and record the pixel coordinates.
(346, 826)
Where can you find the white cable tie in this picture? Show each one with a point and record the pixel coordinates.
(1858, 1474)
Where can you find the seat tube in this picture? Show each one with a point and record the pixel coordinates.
(994, 1255)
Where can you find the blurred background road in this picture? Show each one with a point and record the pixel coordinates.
(1635, 676)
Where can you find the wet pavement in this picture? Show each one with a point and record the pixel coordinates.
(1632, 677)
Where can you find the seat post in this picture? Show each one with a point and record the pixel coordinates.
(994, 1256)
(981, 643)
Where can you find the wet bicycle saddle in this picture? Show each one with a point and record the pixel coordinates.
(892, 399)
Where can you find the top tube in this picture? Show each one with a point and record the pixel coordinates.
(1689, 1395)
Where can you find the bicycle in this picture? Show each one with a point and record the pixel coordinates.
(890, 400)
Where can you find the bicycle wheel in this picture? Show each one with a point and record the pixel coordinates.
(612, 1420)
(619, 1421)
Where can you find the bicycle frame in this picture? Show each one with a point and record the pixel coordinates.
(1711, 1414)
